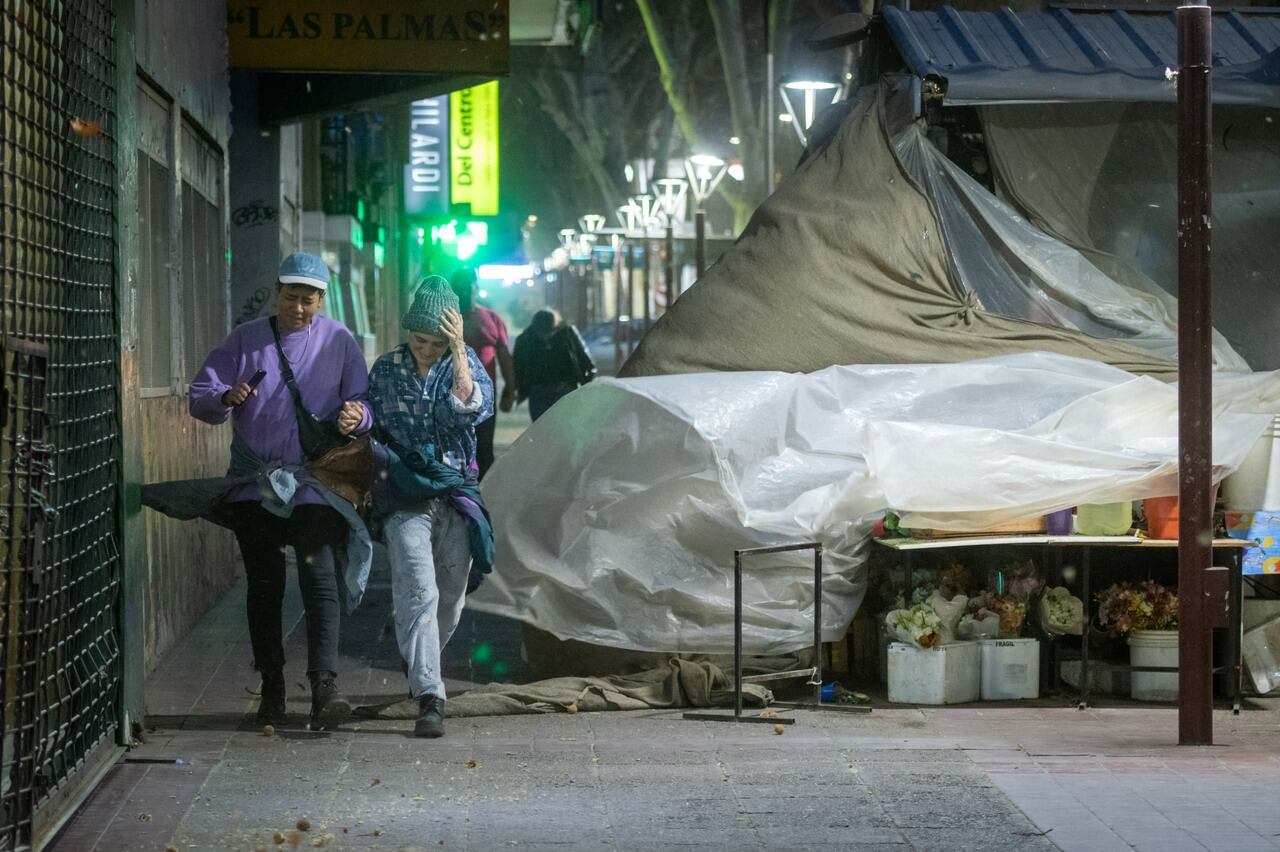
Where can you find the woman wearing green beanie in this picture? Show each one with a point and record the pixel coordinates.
(427, 396)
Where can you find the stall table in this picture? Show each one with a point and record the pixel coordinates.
(1057, 543)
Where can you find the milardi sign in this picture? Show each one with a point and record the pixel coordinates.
(426, 185)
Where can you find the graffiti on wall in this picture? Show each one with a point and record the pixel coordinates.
(254, 305)
(254, 214)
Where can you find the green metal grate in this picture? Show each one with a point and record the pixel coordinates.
(59, 452)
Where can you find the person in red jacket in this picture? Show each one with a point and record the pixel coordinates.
(486, 333)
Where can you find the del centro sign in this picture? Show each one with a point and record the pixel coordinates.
(405, 36)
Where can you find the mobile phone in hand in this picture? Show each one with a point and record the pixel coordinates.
(257, 379)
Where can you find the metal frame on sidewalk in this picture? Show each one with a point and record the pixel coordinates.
(814, 673)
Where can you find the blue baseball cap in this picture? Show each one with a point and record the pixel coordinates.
(303, 268)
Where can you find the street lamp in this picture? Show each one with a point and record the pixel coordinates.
(671, 193)
(617, 241)
(647, 219)
(813, 93)
(591, 225)
(705, 172)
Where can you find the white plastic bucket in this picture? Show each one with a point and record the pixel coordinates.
(946, 674)
(1256, 484)
(1010, 669)
(1153, 648)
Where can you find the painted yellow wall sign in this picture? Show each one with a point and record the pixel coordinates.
(473, 149)
(387, 36)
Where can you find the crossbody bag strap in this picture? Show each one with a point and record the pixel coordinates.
(285, 369)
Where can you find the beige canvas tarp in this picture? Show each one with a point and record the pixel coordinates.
(845, 264)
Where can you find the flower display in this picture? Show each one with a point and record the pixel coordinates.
(1011, 613)
(1126, 607)
(1061, 612)
(918, 625)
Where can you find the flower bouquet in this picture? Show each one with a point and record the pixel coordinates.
(1061, 613)
(1126, 607)
(917, 625)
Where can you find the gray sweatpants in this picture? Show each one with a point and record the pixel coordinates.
(430, 556)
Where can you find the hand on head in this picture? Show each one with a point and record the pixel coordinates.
(451, 328)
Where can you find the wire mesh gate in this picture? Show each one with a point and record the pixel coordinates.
(59, 567)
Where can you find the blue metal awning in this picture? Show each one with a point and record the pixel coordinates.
(1083, 54)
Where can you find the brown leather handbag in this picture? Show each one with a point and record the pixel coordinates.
(348, 471)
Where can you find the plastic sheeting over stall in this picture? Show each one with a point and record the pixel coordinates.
(618, 512)
(1102, 180)
(1017, 270)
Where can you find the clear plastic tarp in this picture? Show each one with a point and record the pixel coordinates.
(618, 512)
(1018, 270)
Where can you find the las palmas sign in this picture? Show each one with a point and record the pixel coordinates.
(387, 36)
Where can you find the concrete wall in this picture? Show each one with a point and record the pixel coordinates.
(181, 52)
(266, 207)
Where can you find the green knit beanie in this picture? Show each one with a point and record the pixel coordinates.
(429, 302)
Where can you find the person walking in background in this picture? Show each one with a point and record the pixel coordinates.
(267, 375)
(550, 361)
(486, 334)
(428, 395)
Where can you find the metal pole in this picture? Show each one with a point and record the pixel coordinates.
(817, 624)
(1195, 381)
(700, 242)
(1086, 627)
(644, 285)
(631, 299)
(673, 284)
(619, 262)
(737, 635)
(770, 120)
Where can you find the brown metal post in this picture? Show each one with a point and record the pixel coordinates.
(1195, 381)
(700, 241)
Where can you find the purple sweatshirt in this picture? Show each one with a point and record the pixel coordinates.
(327, 365)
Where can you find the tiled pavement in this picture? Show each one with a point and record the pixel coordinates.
(978, 777)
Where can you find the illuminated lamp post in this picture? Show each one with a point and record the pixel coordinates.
(671, 199)
(813, 95)
(705, 172)
(648, 210)
(629, 219)
(591, 225)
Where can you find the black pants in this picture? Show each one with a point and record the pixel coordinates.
(314, 532)
(484, 443)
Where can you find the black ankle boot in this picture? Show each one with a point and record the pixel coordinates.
(328, 706)
(271, 707)
(430, 722)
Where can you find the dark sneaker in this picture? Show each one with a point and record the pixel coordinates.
(430, 722)
(271, 709)
(328, 706)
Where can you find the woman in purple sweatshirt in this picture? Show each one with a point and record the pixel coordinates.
(330, 374)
